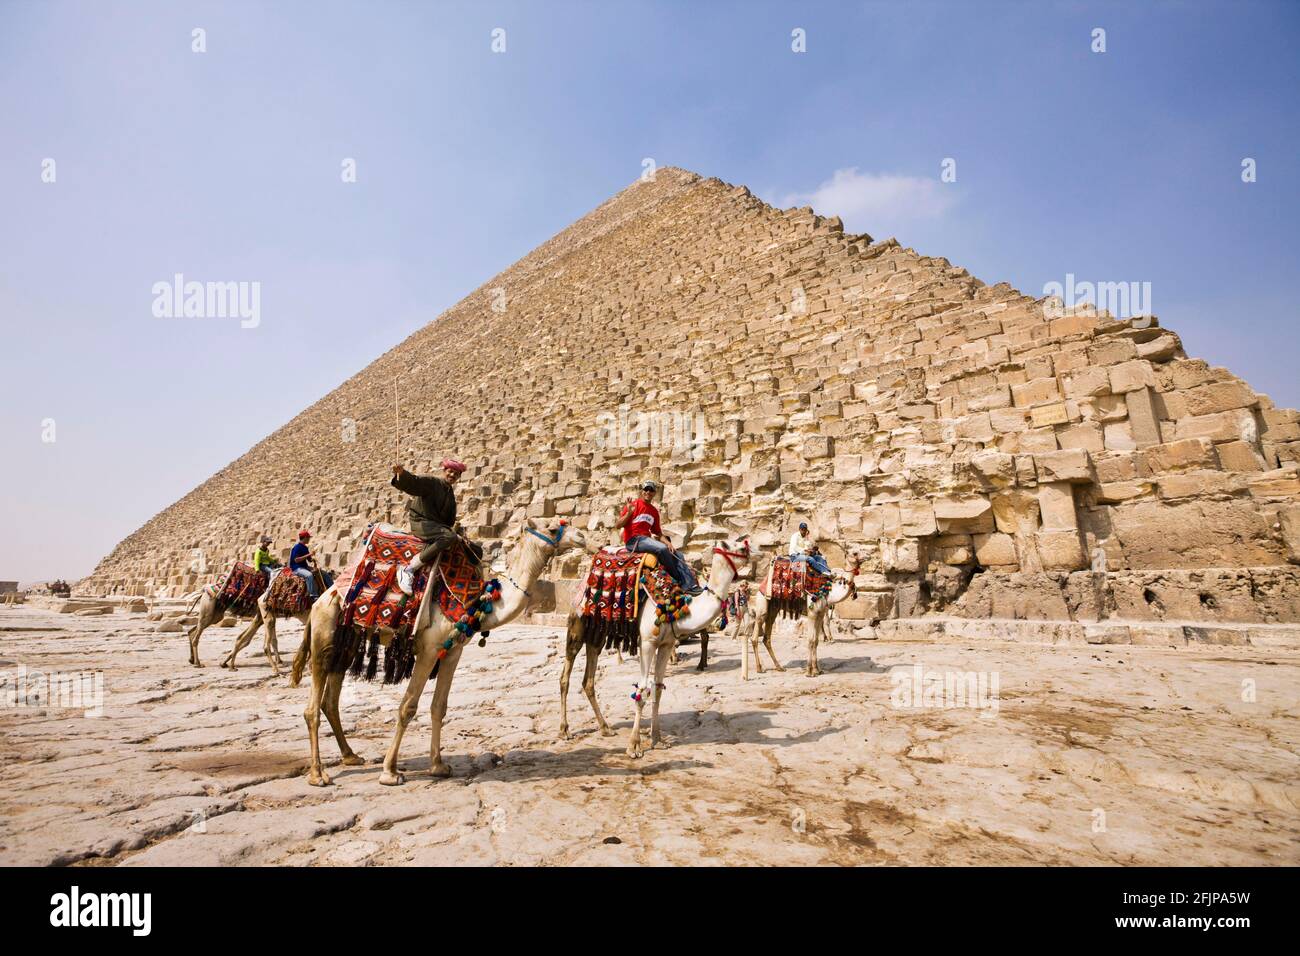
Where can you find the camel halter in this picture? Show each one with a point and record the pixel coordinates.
(553, 542)
(728, 555)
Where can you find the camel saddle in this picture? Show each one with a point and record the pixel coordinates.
(240, 588)
(288, 594)
(372, 600)
(618, 581)
(790, 583)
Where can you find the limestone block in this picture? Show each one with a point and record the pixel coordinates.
(1086, 436)
(847, 467)
(1143, 424)
(1131, 375)
(903, 555)
(1239, 456)
(974, 514)
(1175, 455)
(1053, 414)
(1016, 512)
(953, 549)
(1056, 505)
(995, 550)
(1006, 420)
(1071, 465)
(817, 446)
(1114, 492)
(882, 521)
(994, 469)
(1087, 382)
(1060, 550)
(1235, 425)
(1118, 436)
(1036, 392)
(1219, 397)
(916, 518)
(975, 427)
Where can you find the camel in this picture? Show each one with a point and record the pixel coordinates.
(762, 617)
(655, 649)
(262, 616)
(209, 614)
(533, 553)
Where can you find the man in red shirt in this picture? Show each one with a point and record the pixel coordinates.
(639, 520)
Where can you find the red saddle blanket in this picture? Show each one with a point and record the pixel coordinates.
(611, 601)
(288, 594)
(240, 588)
(791, 580)
(371, 597)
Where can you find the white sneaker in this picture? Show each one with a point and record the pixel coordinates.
(406, 579)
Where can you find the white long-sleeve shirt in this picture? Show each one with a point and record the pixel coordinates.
(799, 544)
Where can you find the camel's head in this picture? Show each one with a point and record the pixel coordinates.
(735, 557)
(843, 583)
(555, 538)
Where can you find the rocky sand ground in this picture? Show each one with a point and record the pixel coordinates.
(1094, 755)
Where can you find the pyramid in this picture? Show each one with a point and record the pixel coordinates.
(988, 454)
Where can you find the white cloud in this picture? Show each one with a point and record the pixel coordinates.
(876, 202)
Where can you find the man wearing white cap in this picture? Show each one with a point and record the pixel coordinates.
(431, 510)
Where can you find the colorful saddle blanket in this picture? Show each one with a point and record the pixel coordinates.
(288, 594)
(372, 599)
(617, 584)
(240, 588)
(790, 582)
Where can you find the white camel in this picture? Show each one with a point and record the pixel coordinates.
(530, 557)
(655, 649)
(817, 613)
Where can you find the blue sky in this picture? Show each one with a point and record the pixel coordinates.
(225, 165)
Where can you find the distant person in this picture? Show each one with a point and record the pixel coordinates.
(303, 564)
(262, 560)
(804, 548)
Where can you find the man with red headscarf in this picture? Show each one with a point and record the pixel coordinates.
(432, 513)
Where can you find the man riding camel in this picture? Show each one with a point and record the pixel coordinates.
(805, 548)
(431, 511)
(639, 520)
(303, 564)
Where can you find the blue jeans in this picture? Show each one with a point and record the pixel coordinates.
(815, 561)
(672, 561)
(306, 575)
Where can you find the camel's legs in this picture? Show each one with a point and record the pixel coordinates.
(202, 624)
(589, 688)
(704, 650)
(572, 641)
(243, 640)
(438, 709)
(643, 687)
(330, 704)
(320, 659)
(745, 639)
(661, 666)
(271, 647)
(426, 657)
(303, 656)
(770, 626)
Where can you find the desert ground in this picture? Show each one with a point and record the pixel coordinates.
(1094, 755)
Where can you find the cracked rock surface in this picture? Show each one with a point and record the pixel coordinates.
(1092, 755)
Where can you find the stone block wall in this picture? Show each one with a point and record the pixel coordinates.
(767, 368)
